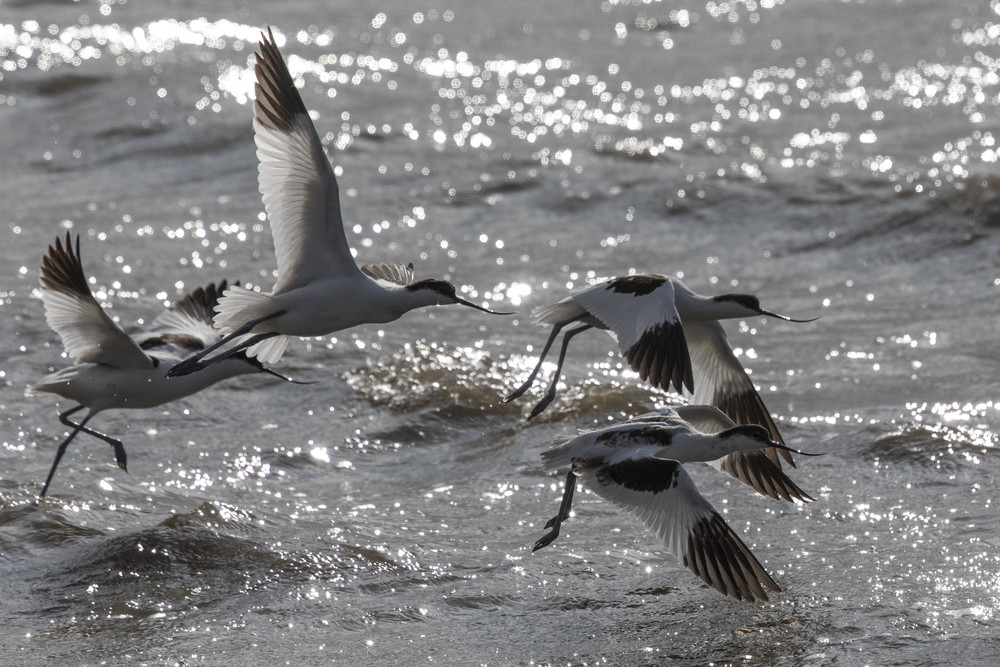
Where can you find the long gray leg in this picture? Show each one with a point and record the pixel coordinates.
(551, 393)
(556, 521)
(556, 328)
(120, 456)
(77, 428)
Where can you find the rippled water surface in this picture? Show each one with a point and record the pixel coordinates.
(835, 158)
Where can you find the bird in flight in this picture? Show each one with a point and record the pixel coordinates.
(636, 465)
(320, 289)
(668, 334)
(112, 369)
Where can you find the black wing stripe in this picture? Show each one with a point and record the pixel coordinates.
(651, 475)
(661, 356)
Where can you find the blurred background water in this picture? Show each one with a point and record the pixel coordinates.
(837, 159)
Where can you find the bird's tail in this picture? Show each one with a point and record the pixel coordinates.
(239, 305)
(58, 383)
(561, 455)
(552, 313)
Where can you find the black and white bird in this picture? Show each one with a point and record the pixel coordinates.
(754, 467)
(668, 334)
(636, 465)
(320, 289)
(112, 369)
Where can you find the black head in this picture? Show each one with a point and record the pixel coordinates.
(446, 291)
(761, 435)
(752, 305)
(750, 431)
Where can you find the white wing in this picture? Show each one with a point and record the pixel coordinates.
(720, 380)
(397, 274)
(297, 185)
(705, 418)
(186, 327)
(88, 335)
(640, 310)
(664, 498)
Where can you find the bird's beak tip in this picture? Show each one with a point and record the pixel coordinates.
(478, 307)
(778, 445)
(787, 318)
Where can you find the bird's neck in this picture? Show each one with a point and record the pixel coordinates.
(695, 307)
(698, 447)
(403, 300)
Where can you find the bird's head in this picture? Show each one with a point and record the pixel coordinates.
(442, 293)
(747, 305)
(751, 436)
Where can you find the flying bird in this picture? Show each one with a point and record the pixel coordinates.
(636, 466)
(320, 289)
(112, 369)
(753, 467)
(668, 334)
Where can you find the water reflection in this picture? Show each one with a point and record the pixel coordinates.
(539, 101)
(391, 507)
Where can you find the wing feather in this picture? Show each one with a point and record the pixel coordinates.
(297, 184)
(664, 498)
(88, 335)
(186, 326)
(396, 274)
(721, 380)
(640, 310)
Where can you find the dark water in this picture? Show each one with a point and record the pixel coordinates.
(837, 159)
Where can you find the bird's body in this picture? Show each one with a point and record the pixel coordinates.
(112, 369)
(320, 289)
(668, 334)
(102, 387)
(636, 465)
(757, 468)
(322, 306)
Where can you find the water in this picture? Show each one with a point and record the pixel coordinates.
(837, 159)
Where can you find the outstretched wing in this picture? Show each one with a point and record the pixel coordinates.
(663, 497)
(298, 187)
(720, 380)
(640, 310)
(88, 335)
(186, 327)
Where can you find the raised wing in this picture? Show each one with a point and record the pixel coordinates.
(396, 274)
(298, 187)
(186, 327)
(88, 335)
(664, 498)
(640, 311)
(720, 380)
